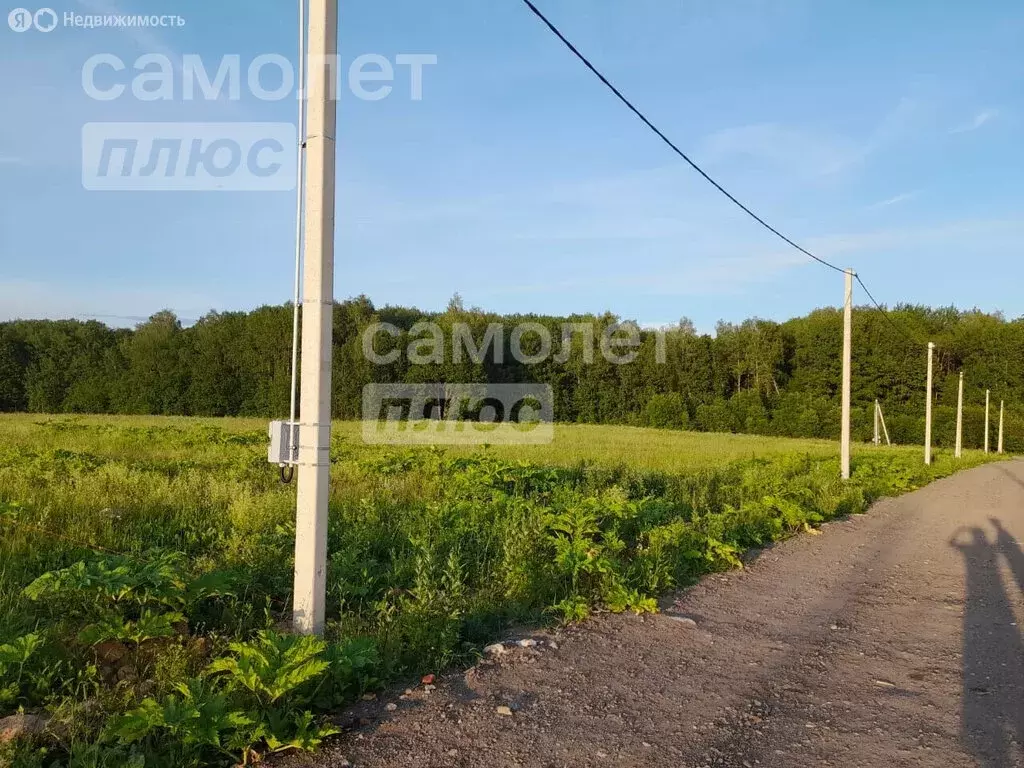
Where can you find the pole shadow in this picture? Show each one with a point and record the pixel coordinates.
(992, 703)
(1011, 475)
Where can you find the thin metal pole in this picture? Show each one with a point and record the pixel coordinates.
(317, 323)
(847, 350)
(986, 420)
(958, 452)
(1000, 426)
(928, 409)
(300, 177)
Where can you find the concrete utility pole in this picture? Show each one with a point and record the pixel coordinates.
(844, 449)
(317, 323)
(960, 418)
(986, 420)
(877, 440)
(1000, 426)
(928, 409)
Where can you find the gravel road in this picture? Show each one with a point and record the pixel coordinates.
(890, 639)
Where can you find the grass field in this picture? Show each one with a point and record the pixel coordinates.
(657, 450)
(145, 564)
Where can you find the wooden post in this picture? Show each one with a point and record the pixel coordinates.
(928, 409)
(844, 449)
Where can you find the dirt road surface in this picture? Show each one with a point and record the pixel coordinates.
(890, 639)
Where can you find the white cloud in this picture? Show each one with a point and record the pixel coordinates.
(731, 268)
(697, 274)
(980, 119)
(120, 306)
(804, 152)
(981, 232)
(780, 147)
(900, 198)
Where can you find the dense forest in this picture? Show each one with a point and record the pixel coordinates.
(759, 376)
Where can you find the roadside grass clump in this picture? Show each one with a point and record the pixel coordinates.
(146, 566)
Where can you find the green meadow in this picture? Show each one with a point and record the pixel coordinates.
(146, 564)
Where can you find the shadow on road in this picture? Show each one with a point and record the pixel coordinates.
(992, 721)
(1012, 476)
(1009, 548)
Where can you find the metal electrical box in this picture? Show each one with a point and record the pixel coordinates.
(284, 442)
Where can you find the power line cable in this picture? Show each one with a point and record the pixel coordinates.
(886, 314)
(586, 62)
(300, 185)
(287, 472)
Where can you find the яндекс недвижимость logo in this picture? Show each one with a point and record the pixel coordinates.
(22, 19)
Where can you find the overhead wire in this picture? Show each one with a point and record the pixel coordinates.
(657, 131)
(661, 135)
(300, 173)
(886, 314)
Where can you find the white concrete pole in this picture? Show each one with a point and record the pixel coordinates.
(986, 420)
(878, 432)
(844, 449)
(960, 418)
(1000, 426)
(317, 323)
(928, 409)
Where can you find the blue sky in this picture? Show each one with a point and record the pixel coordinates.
(883, 136)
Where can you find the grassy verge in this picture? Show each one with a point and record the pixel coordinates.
(145, 565)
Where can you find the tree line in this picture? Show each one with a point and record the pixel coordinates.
(758, 376)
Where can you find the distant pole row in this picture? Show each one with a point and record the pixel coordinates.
(844, 441)
(958, 449)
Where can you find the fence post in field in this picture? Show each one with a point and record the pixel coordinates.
(986, 420)
(885, 429)
(1000, 445)
(928, 409)
(960, 418)
(317, 324)
(844, 449)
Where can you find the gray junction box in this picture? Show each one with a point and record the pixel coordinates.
(284, 442)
